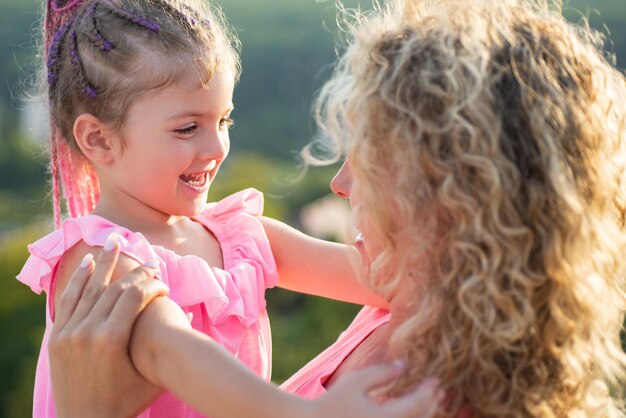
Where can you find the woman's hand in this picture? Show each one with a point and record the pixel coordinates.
(351, 396)
(92, 374)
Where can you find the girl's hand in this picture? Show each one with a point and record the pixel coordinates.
(351, 397)
(92, 374)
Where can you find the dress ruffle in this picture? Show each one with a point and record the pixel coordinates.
(236, 291)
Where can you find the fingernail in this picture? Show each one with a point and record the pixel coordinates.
(111, 242)
(87, 259)
(190, 316)
(399, 364)
(151, 264)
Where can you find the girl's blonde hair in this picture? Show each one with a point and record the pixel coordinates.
(102, 55)
(497, 128)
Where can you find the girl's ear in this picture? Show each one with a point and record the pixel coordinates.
(95, 139)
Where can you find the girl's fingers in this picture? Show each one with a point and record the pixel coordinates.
(100, 277)
(73, 291)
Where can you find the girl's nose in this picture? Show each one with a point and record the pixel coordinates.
(341, 184)
(215, 146)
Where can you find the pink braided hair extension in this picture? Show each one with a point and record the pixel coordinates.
(71, 173)
(54, 168)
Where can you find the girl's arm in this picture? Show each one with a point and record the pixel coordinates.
(317, 267)
(200, 372)
(204, 375)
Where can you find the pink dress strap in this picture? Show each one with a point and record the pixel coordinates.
(246, 252)
(308, 382)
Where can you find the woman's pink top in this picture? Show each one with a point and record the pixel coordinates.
(227, 304)
(309, 381)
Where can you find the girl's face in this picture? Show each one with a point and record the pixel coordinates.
(174, 143)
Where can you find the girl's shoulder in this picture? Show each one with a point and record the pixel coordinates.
(90, 231)
(235, 222)
(235, 208)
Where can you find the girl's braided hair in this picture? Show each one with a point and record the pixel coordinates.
(102, 54)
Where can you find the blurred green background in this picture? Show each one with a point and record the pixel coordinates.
(288, 49)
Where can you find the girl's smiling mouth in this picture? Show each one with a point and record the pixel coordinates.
(199, 181)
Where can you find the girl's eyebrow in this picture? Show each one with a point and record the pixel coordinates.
(194, 113)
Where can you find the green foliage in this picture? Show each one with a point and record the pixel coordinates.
(286, 186)
(22, 181)
(302, 327)
(22, 320)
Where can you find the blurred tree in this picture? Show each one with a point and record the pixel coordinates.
(17, 40)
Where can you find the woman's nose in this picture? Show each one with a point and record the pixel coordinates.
(341, 184)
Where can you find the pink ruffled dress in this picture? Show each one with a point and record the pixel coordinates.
(309, 381)
(227, 304)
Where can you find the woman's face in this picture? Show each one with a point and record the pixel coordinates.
(369, 242)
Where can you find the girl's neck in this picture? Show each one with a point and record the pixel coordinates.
(136, 216)
(180, 234)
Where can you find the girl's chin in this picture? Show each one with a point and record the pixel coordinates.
(190, 211)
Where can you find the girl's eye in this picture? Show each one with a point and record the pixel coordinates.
(187, 130)
(227, 123)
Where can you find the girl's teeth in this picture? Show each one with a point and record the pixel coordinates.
(196, 181)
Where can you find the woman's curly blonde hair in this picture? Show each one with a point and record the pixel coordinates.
(498, 128)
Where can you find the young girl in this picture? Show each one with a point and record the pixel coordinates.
(140, 96)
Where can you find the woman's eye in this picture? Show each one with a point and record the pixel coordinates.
(227, 123)
(187, 130)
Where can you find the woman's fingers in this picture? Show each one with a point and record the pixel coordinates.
(353, 395)
(374, 377)
(105, 264)
(72, 293)
(99, 279)
(130, 304)
(139, 288)
(129, 295)
(423, 402)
